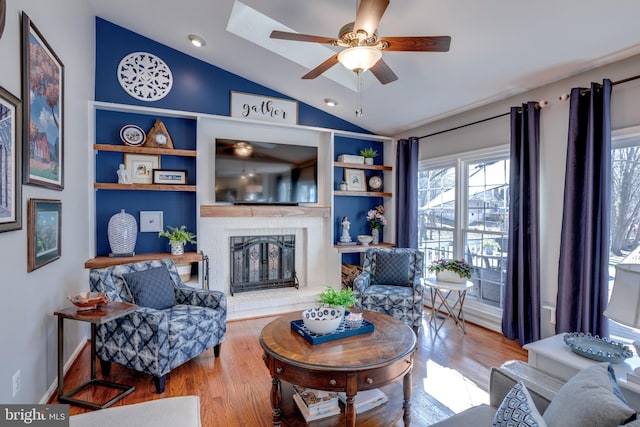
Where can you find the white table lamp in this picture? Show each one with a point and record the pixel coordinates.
(624, 304)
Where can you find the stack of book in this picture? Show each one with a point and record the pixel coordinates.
(365, 400)
(315, 404)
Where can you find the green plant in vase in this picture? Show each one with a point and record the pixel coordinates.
(178, 237)
(333, 298)
(368, 154)
(451, 270)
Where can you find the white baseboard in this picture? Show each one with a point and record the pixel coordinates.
(53, 388)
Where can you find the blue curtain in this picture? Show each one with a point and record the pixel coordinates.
(583, 276)
(407, 193)
(521, 312)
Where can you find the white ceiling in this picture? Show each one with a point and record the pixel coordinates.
(499, 48)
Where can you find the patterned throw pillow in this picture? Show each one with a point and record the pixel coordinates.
(391, 269)
(151, 288)
(592, 398)
(518, 410)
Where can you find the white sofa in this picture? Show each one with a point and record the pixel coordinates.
(183, 411)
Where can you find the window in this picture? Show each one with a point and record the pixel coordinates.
(464, 213)
(625, 212)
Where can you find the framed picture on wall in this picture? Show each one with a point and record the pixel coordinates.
(355, 180)
(43, 112)
(140, 167)
(44, 232)
(10, 162)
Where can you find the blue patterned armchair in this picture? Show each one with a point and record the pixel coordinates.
(391, 283)
(172, 324)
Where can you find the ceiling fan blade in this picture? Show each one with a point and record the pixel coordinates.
(418, 44)
(321, 68)
(283, 35)
(383, 73)
(369, 14)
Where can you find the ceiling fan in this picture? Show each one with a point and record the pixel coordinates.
(363, 48)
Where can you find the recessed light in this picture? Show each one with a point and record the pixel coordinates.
(330, 102)
(197, 41)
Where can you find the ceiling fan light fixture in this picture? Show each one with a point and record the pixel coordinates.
(242, 149)
(359, 58)
(197, 41)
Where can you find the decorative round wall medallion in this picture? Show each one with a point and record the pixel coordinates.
(144, 76)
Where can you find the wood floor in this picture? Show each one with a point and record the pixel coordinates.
(234, 389)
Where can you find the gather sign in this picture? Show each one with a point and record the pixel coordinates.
(259, 107)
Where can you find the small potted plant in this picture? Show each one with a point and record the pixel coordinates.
(451, 270)
(343, 185)
(333, 298)
(178, 237)
(490, 246)
(368, 154)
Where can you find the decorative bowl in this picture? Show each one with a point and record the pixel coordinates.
(89, 300)
(596, 348)
(323, 320)
(365, 239)
(353, 320)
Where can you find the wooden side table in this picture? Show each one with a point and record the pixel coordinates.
(453, 311)
(104, 313)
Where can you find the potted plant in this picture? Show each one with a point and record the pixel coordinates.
(451, 270)
(343, 185)
(490, 246)
(368, 154)
(178, 237)
(343, 298)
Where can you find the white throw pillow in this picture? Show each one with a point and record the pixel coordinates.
(591, 398)
(518, 410)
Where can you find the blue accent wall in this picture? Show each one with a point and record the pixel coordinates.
(197, 87)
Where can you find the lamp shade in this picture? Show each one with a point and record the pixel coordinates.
(624, 304)
(359, 58)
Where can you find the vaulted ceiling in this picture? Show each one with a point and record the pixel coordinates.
(499, 48)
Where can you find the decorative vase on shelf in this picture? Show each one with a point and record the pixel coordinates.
(122, 231)
(375, 234)
(450, 276)
(177, 248)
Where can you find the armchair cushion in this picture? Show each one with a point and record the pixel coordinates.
(151, 288)
(392, 268)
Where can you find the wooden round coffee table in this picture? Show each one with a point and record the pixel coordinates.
(360, 362)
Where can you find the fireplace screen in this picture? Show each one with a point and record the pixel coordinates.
(263, 262)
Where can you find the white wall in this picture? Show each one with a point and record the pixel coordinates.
(553, 139)
(28, 330)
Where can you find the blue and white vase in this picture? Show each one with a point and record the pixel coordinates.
(123, 232)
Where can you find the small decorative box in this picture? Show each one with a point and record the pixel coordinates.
(350, 158)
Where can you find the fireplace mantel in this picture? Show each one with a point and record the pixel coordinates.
(225, 211)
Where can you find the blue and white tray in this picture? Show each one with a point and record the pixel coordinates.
(343, 331)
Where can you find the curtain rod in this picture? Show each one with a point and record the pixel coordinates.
(628, 79)
(465, 125)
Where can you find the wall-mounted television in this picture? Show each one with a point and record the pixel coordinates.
(255, 172)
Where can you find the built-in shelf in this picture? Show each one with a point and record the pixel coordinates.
(106, 261)
(144, 187)
(225, 211)
(362, 193)
(145, 150)
(349, 249)
(362, 166)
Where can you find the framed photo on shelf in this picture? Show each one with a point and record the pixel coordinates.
(140, 167)
(44, 232)
(43, 110)
(10, 162)
(355, 180)
(166, 176)
(151, 221)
